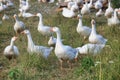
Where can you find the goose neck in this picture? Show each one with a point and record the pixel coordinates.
(115, 14)
(40, 20)
(80, 23)
(16, 18)
(12, 43)
(30, 41)
(109, 4)
(93, 29)
(58, 37)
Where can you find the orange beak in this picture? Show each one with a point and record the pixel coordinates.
(22, 32)
(118, 10)
(51, 29)
(15, 37)
(78, 17)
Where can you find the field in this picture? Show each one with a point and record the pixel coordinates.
(35, 67)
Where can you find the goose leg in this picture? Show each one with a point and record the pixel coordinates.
(70, 64)
(61, 64)
(13, 61)
(76, 59)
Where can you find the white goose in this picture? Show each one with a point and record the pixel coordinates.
(25, 6)
(83, 30)
(63, 52)
(109, 10)
(19, 26)
(73, 4)
(5, 17)
(32, 48)
(25, 14)
(114, 19)
(94, 37)
(9, 3)
(91, 48)
(98, 4)
(11, 51)
(99, 13)
(85, 9)
(68, 13)
(45, 30)
(2, 7)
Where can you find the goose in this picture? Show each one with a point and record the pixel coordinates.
(25, 6)
(63, 52)
(83, 30)
(94, 37)
(75, 6)
(99, 13)
(109, 10)
(10, 3)
(68, 13)
(25, 14)
(5, 17)
(2, 7)
(98, 4)
(91, 48)
(32, 48)
(85, 9)
(11, 51)
(114, 20)
(19, 26)
(45, 30)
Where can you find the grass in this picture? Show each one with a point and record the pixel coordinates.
(34, 67)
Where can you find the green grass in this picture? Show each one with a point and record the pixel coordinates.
(34, 67)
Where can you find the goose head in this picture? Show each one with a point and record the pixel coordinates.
(55, 29)
(116, 9)
(115, 12)
(93, 22)
(14, 38)
(38, 14)
(25, 32)
(79, 16)
(15, 16)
